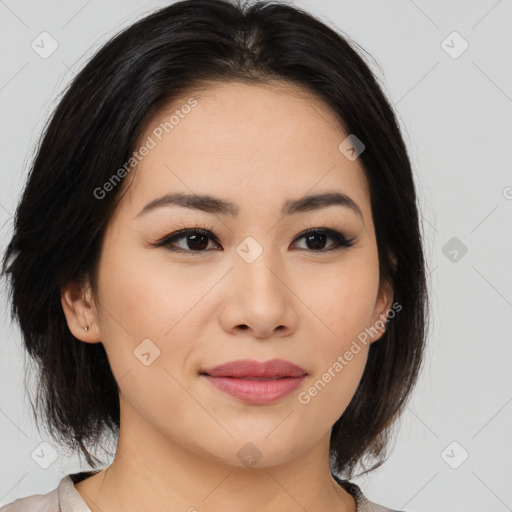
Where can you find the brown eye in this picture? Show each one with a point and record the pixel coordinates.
(195, 240)
(316, 240)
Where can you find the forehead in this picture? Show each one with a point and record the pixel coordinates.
(249, 143)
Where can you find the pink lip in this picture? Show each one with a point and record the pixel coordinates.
(257, 392)
(254, 382)
(252, 368)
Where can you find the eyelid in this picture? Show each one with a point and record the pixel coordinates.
(184, 229)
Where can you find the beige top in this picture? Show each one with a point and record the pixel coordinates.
(65, 498)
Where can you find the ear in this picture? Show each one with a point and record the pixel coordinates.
(383, 305)
(78, 305)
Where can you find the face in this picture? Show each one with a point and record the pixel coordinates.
(245, 283)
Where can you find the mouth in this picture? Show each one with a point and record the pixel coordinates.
(256, 391)
(246, 378)
(256, 383)
(255, 370)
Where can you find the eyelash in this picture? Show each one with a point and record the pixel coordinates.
(343, 243)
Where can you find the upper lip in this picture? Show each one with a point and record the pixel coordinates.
(252, 368)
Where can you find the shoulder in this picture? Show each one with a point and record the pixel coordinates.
(64, 498)
(37, 502)
(362, 502)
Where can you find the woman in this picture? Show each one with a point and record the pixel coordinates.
(217, 259)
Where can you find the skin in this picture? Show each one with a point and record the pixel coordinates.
(257, 146)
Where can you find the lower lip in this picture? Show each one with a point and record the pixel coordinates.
(258, 392)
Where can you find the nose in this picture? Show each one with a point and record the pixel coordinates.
(258, 300)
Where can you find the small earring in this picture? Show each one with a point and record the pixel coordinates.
(86, 328)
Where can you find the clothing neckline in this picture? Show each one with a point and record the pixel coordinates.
(68, 493)
(355, 491)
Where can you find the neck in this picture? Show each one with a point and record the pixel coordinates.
(152, 472)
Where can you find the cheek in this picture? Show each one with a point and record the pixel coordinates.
(142, 328)
(144, 297)
(340, 302)
(145, 322)
(340, 352)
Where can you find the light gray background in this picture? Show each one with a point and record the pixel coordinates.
(456, 115)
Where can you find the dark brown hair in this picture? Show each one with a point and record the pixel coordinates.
(60, 222)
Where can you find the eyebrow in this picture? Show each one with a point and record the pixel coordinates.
(217, 206)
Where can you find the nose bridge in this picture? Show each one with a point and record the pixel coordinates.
(260, 269)
(255, 259)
